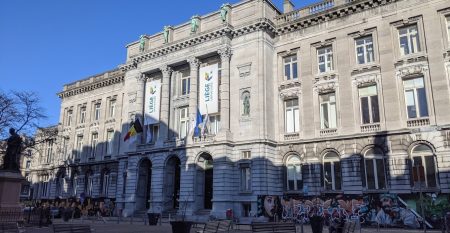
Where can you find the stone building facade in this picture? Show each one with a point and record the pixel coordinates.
(343, 97)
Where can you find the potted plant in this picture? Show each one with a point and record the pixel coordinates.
(180, 225)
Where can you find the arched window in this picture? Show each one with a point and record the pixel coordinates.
(374, 167)
(105, 182)
(74, 184)
(423, 166)
(245, 102)
(294, 174)
(332, 171)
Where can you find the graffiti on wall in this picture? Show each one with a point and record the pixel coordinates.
(384, 209)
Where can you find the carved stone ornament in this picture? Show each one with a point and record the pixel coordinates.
(166, 70)
(244, 69)
(417, 69)
(327, 86)
(194, 62)
(365, 80)
(290, 93)
(225, 53)
(141, 77)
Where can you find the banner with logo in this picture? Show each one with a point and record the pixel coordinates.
(209, 89)
(152, 102)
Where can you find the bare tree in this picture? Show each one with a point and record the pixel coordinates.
(20, 110)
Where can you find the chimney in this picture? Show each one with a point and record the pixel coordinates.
(288, 6)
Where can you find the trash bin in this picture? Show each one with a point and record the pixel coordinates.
(316, 224)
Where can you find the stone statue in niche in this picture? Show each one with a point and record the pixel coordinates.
(13, 150)
(194, 24)
(246, 104)
(224, 11)
(166, 34)
(141, 43)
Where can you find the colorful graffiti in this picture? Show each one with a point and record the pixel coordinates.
(382, 209)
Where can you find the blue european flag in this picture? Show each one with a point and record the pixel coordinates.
(198, 121)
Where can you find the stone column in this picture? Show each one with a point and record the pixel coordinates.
(194, 63)
(165, 95)
(225, 54)
(140, 101)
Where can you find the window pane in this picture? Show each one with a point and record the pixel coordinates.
(289, 121)
(333, 113)
(360, 55)
(370, 174)
(296, 120)
(430, 171)
(375, 109)
(324, 116)
(337, 175)
(381, 174)
(291, 177)
(404, 45)
(328, 176)
(294, 70)
(422, 99)
(448, 27)
(415, 43)
(365, 110)
(410, 104)
(287, 72)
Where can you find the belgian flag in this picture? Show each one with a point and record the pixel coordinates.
(135, 128)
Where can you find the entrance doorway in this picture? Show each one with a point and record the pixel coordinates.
(172, 184)
(143, 190)
(204, 181)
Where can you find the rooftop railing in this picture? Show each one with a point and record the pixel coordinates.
(310, 10)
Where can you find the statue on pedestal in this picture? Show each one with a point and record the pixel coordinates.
(13, 150)
(141, 43)
(166, 34)
(224, 10)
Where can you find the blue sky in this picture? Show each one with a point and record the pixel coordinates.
(48, 43)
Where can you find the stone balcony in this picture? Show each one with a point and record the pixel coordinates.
(369, 128)
(328, 132)
(291, 136)
(418, 122)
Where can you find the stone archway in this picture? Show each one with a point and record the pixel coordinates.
(144, 185)
(172, 183)
(204, 181)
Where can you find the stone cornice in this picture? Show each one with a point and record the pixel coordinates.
(114, 79)
(226, 31)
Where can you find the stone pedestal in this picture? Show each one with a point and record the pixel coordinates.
(10, 185)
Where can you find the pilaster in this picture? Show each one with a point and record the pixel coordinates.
(194, 64)
(165, 95)
(225, 55)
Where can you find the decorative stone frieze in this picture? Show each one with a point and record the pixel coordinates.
(364, 80)
(416, 69)
(409, 60)
(325, 83)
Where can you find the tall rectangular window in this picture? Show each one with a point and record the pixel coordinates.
(369, 104)
(69, 117)
(364, 50)
(79, 148)
(328, 111)
(448, 27)
(83, 114)
(213, 124)
(409, 40)
(94, 142)
(184, 122)
(246, 174)
(292, 120)
(325, 59)
(290, 68)
(64, 148)
(246, 155)
(110, 141)
(415, 98)
(49, 151)
(112, 108)
(185, 85)
(97, 107)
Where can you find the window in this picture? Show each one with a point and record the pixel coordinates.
(152, 133)
(94, 142)
(246, 209)
(368, 98)
(64, 148)
(59, 182)
(415, 98)
(83, 114)
(105, 183)
(74, 184)
(88, 183)
(212, 124)
(112, 108)
(374, 167)
(79, 150)
(49, 150)
(294, 174)
(97, 107)
(185, 84)
(110, 141)
(424, 162)
(290, 68)
(325, 59)
(184, 122)
(364, 50)
(331, 171)
(291, 117)
(246, 154)
(448, 27)
(245, 103)
(246, 174)
(409, 40)
(69, 117)
(45, 186)
(28, 165)
(328, 111)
